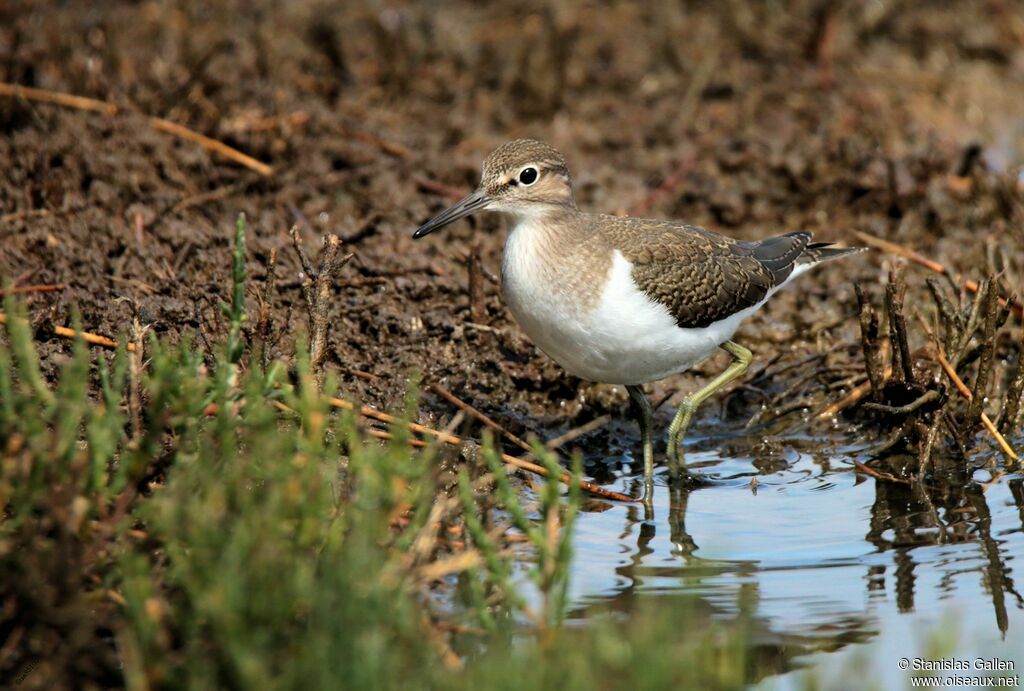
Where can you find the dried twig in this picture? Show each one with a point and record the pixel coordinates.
(927, 397)
(448, 438)
(67, 100)
(870, 343)
(887, 477)
(423, 545)
(966, 393)
(596, 490)
(577, 432)
(855, 396)
(1014, 392)
(43, 288)
(90, 338)
(917, 258)
(895, 290)
(316, 288)
(477, 307)
(987, 338)
(160, 124)
(925, 456)
(470, 410)
(210, 144)
(135, 375)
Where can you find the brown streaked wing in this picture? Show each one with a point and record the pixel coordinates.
(700, 276)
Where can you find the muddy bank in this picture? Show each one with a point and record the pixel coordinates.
(834, 118)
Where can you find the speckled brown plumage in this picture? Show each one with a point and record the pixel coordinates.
(700, 276)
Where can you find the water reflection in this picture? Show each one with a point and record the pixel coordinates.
(814, 554)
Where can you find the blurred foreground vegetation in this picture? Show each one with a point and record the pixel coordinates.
(172, 520)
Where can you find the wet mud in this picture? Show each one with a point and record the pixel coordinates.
(902, 121)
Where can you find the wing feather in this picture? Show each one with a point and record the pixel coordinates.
(700, 276)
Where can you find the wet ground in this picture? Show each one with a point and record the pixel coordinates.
(902, 120)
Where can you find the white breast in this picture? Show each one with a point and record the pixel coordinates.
(623, 337)
(537, 294)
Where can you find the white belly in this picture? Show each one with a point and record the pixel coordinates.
(623, 338)
(636, 340)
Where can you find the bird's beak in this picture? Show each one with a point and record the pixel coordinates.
(471, 203)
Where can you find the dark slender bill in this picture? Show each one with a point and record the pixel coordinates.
(469, 204)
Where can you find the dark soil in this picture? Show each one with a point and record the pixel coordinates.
(840, 116)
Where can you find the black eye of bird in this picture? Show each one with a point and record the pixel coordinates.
(528, 176)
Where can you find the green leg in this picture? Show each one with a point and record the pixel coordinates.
(677, 429)
(645, 416)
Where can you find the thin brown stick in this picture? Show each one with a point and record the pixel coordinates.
(360, 281)
(134, 375)
(508, 460)
(966, 393)
(182, 132)
(986, 357)
(477, 307)
(888, 477)
(42, 288)
(90, 338)
(455, 440)
(316, 289)
(972, 286)
(856, 394)
(577, 432)
(895, 290)
(470, 410)
(1014, 392)
(871, 342)
(159, 124)
(67, 100)
(927, 397)
(374, 414)
(925, 456)
(487, 273)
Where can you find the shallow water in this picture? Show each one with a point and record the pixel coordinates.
(830, 560)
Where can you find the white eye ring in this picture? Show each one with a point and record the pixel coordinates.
(527, 176)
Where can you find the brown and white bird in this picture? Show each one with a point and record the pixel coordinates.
(623, 300)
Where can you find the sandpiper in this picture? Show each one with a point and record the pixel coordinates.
(624, 300)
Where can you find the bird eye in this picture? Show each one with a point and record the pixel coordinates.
(528, 176)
